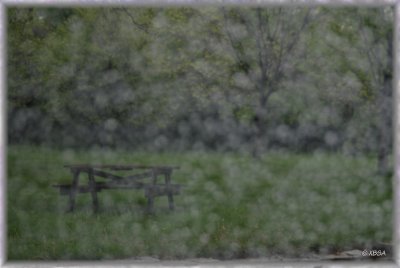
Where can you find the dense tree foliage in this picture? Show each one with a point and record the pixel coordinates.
(225, 78)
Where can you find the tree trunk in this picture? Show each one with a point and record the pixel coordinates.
(385, 125)
(385, 108)
(260, 122)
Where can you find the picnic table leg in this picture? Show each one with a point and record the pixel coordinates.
(92, 187)
(150, 203)
(149, 194)
(170, 195)
(72, 193)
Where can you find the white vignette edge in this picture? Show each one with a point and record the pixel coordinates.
(104, 3)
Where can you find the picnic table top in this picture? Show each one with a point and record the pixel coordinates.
(118, 167)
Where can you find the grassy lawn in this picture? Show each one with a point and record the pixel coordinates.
(232, 206)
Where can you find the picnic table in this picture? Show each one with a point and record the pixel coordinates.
(136, 181)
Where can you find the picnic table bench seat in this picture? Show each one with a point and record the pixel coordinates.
(151, 189)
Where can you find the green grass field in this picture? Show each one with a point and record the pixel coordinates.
(233, 206)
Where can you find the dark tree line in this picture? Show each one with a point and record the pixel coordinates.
(210, 78)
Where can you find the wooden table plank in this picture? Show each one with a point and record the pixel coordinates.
(119, 167)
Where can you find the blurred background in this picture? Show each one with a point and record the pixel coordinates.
(274, 113)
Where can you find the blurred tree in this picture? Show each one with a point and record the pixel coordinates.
(26, 95)
(226, 78)
(263, 44)
(365, 50)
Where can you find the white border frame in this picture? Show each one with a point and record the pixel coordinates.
(242, 263)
